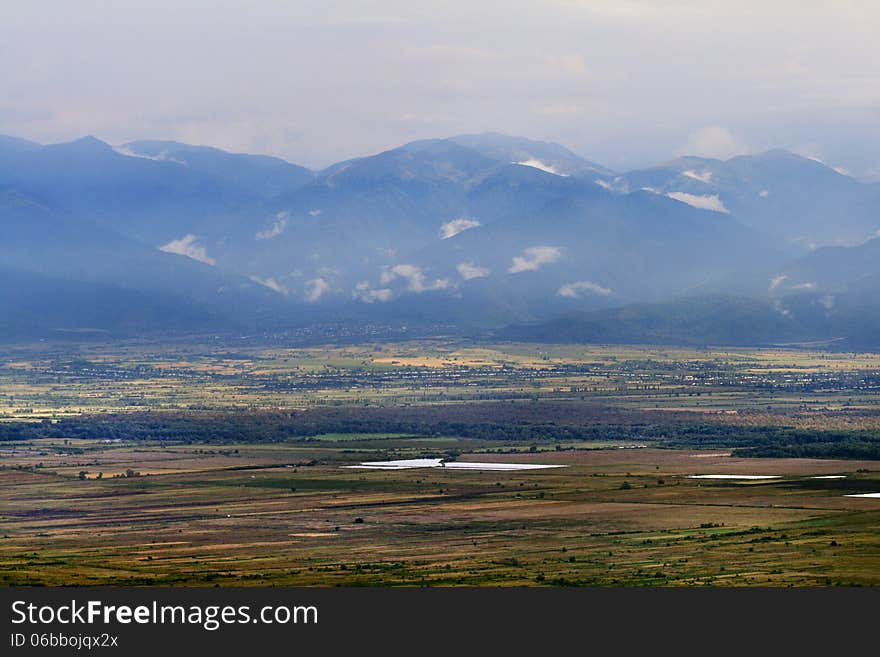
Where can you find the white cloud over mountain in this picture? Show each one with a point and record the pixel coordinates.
(702, 201)
(534, 258)
(574, 290)
(469, 271)
(456, 226)
(189, 246)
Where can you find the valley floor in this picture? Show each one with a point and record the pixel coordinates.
(242, 515)
(216, 467)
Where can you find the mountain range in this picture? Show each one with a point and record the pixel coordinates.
(483, 233)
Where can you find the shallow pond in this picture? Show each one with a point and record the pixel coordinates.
(406, 464)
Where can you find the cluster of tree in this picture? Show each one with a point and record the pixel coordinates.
(257, 428)
(496, 420)
(840, 450)
(527, 422)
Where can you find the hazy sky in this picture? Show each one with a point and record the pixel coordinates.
(623, 82)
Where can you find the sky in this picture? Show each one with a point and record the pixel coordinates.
(625, 83)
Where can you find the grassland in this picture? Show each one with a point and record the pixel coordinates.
(281, 514)
(229, 507)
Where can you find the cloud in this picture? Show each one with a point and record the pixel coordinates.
(807, 74)
(276, 228)
(389, 275)
(705, 176)
(537, 164)
(628, 10)
(271, 283)
(382, 295)
(534, 258)
(704, 202)
(809, 151)
(414, 277)
(456, 226)
(188, 246)
(776, 281)
(827, 302)
(871, 174)
(469, 270)
(573, 290)
(161, 157)
(315, 289)
(363, 20)
(603, 184)
(713, 141)
(364, 292)
(560, 109)
(571, 65)
(454, 52)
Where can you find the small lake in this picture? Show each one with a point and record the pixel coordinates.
(406, 464)
(463, 465)
(732, 476)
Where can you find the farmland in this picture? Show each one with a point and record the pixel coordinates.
(164, 464)
(50, 381)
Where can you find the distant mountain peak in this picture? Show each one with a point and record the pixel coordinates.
(155, 147)
(516, 149)
(779, 152)
(89, 143)
(90, 140)
(780, 155)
